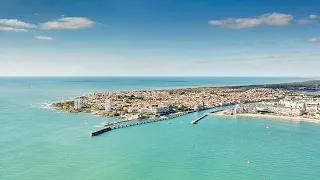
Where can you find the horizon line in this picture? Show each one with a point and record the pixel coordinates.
(58, 76)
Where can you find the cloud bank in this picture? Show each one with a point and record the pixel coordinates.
(238, 23)
(68, 23)
(309, 20)
(315, 40)
(312, 16)
(16, 23)
(2, 28)
(46, 38)
(269, 19)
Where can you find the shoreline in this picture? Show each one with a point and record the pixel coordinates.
(273, 117)
(145, 103)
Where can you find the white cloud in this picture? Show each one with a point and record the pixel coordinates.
(315, 40)
(312, 16)
(238, 23)
(305, 21)
(277, 18)
(43, 38)
(12, 29)
(216, 22)
(309, 20)
(16, 23)
(68, 23)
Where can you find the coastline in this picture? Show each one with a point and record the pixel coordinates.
(141, 104)
(273, 117)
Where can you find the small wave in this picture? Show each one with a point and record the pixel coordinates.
(46, 106)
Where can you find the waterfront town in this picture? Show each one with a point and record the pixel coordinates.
(294, 105)
(153, 104)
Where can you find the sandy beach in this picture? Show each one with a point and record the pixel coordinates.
(273, 117)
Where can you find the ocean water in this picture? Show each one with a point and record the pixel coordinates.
(37, 143)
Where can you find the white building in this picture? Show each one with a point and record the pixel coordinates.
(155, 110)
(107, 106)
(198, 107)
(292, 104)
(160, 110)
(132, 110)
(308, 104)
(287, 111)
(77, 104)
(312, 106)
(147, 110)
(238, 109)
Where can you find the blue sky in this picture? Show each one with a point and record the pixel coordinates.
(159, 38)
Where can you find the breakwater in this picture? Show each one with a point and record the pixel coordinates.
(203, 116)
(195, 121)
(130, 123)
(96, 133)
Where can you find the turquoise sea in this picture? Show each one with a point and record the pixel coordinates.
(42, 144)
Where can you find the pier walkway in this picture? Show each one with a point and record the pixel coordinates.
(129, 123)
(203, 116)
(195, 121)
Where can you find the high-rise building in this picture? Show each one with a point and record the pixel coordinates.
(238, 109)
(77, 104)
(198, 107)
(107, 106)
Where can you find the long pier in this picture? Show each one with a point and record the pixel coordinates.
(203, 116)
(129, 123)
(96, 133)
(196, 121)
